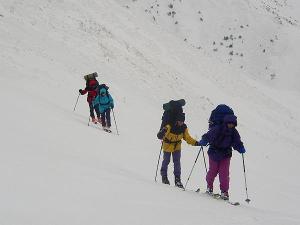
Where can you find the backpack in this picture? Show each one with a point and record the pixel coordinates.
(90, 76)
(171, 110)
(91, 85)
(218, 114)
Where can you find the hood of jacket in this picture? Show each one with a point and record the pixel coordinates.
(102, 91)
(230, 119)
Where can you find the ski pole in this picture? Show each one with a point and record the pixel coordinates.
(193, 167)
(198, 190)
(115, 121)
(204, 159)
(247, 200)
(158, 161)
(76, 103)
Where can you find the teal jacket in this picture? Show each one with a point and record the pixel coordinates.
(103, 100)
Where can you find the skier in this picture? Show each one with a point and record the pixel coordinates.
(91, 88)
(171, 135)
(221, 139)
(104, 103)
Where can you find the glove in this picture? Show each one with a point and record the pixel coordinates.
(202, 143)
(161, 133)
(81, 91)
(241, 150)
(112, 106)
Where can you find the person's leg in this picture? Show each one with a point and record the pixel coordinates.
(177, 168)
(103, 119)
(212, 173)
(165, 163)
(97, 112)
(224, 174)
(91, 110)
(108, 121)
(176, 160)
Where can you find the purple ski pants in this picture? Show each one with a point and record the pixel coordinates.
(176, 160)
(218, 167)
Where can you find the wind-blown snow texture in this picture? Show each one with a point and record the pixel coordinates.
(54, 169)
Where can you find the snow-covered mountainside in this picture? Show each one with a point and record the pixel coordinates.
(57, 170)
(258, 37)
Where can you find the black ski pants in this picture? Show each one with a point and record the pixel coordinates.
(105, 118)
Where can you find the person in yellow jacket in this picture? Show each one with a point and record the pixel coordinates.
(172, 135)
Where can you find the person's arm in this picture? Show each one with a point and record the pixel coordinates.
(82, 92)
(111, 100)
(163, 132)
(237, 144)
(209, 137)
(96, 101)
(187, 137)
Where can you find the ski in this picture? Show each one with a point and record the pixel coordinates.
(98, 126)
(107, 130)
(218, 197)
(232, 203)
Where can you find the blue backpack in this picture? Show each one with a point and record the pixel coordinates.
(217, 115)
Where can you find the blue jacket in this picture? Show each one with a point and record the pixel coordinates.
(104, 101)
(222, 139)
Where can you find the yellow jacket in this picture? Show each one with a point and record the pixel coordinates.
(173, 136)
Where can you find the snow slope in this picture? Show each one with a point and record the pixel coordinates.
(57, 170)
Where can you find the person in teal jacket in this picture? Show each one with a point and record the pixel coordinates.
(105, 103)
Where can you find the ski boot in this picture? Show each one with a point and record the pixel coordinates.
(209, 191)
(99, 119)
(224, 195)
(178, 182)
(94, 120)
(106, 129)
(164, 180)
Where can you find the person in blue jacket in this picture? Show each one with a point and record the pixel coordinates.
(221, 139)
(105, 103)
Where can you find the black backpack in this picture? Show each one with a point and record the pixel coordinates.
(171, 110)
(218, 114)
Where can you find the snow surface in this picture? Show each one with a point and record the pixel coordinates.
(54, 169)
